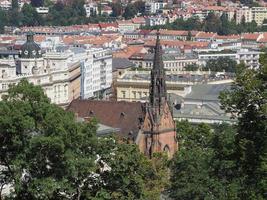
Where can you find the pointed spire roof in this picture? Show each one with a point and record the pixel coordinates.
(158, 94)
(158, 62)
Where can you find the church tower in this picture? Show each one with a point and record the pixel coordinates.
(159, 131)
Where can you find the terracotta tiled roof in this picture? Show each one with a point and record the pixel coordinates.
(171, 32)
(205, 35)
(263, 38)
(93, 26)
(144, 32)
(118, 114)
(228, 37)
(178, 44)
(129, 51)
(121, 22)
(39, 38)
(250, 36)
(138, 20)
(106, 25)
(215, 8)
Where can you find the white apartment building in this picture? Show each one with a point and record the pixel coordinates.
(152, 7)
(155, 20)
(90, 9)
(5, 5)
(96, 73)
(249, 57)
(258, 14)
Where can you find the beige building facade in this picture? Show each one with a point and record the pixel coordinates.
(134, 86)
(258, 14)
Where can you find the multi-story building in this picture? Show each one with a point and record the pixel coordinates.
(134, 85)
(243, 13)
(5, 5)
(249, 57)
(127, 26)
(258, 14)
(193, 97)
(96, 73)
(91, 9)
(155, 20)
(171, 61)
(56, 72)
(152, 7)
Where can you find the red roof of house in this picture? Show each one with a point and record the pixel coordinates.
(250, 36)
(205, 35)
(127, 116)
(106, 25)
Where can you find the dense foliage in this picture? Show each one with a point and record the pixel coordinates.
(227, 162)
(45, 154)
(248, 102)
(221, 64)
(64, 13)
(202, 168)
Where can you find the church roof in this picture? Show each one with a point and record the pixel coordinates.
(126, 117)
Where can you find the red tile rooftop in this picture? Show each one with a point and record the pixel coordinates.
(228, 37)
(205, 35)
(106, 25)
(250, 36)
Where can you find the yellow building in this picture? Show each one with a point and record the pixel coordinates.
(259, 14)
(134, 85)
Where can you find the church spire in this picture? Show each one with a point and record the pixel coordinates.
(158, 94)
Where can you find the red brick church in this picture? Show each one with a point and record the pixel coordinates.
(150, 125)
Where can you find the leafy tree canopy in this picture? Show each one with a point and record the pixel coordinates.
(47, 155)
(221, 64)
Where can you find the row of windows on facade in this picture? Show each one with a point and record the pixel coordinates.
(135, 94)
(172, 64)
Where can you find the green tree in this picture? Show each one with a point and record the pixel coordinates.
(116, 9)
(212, 23)
(30, 17)
(140, 6)
(189, 36)
(221, 64)
(3, 20)
(247, 102)
(37, 3)
(47, 155)
(192, 67)
(190, 165)
(130, 11)
(72, 13)
(15, 4)
(202, 168)
(225, 28)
